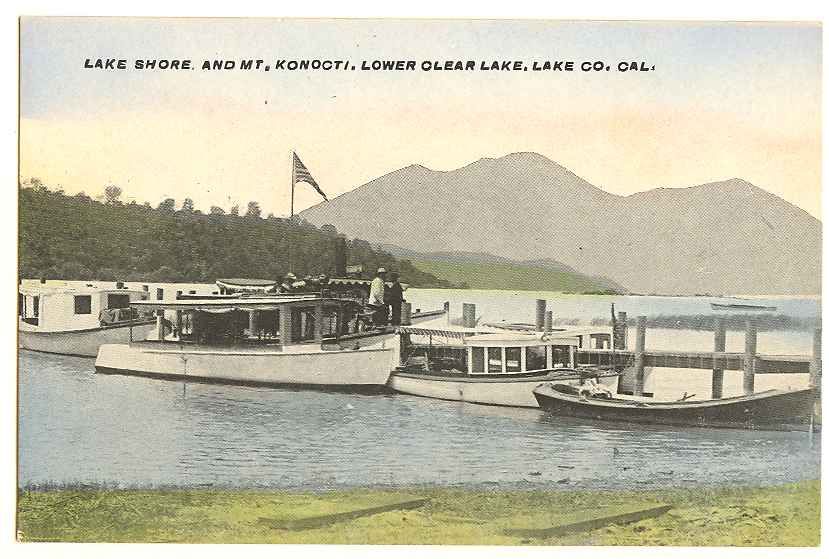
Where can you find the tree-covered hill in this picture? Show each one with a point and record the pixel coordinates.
(76, 237)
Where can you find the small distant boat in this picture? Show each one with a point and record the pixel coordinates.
(78, 320)
(768, 409)
(741, 307)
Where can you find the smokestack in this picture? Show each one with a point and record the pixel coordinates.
(340, 257)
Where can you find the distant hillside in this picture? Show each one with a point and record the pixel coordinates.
(724, 237)
(75, 237)
(486, 271)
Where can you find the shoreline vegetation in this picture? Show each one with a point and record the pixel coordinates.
(785, 515)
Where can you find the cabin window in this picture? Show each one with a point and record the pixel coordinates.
(36, 306)
(159, 294)
(513, 359)
(495, 360)
(477, 360)
(561, 356)
(536, 358)
(118, 301)
(21, 304)
(83, 304)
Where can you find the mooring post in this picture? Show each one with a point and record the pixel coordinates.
(639, 355)
(540, 312)
(750, 357)
(548, 321)
(621, 337)
(717, 373)
(815, 364)
(406, 313)
(469, 315)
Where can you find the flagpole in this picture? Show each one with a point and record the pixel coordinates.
(291, 220)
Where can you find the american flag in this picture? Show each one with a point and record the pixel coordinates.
(302, 174)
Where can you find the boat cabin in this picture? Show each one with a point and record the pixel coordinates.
(272, 320)
(489, 353)
(62, 308)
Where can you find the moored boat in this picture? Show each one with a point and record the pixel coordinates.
(768, 409)
(77, 320)
(490, 366)
(742, 307)
(302, 340)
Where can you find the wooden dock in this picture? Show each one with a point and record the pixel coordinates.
(717, 361)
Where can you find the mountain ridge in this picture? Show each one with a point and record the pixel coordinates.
(724, 236)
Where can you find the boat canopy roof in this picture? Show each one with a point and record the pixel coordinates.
(242, 283)
(492, 338)
(89, 289)
(224, 305)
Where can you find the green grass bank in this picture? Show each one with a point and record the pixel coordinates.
(787, 515)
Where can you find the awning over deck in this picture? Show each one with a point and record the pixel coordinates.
(241, 304)
(246, 285)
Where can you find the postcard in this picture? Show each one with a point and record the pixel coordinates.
(419, 281)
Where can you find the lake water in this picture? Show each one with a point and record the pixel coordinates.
(79, 427)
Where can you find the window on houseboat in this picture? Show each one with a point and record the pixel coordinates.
(561, 356)
(477, 360)
(513, 358)
(536, 358)
(21, 304)
(494, 360)
(118, 301)
(159, 294)
(83, 304)
(36, 306)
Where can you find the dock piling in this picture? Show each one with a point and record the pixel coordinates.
(750, 357)
(639, 355)
(540, 313)
(815, 364)
(406, 313)
(469, 319)
(717, 373)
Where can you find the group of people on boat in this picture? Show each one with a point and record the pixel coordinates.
(309, 284)
(384, 298)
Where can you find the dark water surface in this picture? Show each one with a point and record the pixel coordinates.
(79, 427)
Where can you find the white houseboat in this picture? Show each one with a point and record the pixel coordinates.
(492, 366)
(305, 340)
(76, 320)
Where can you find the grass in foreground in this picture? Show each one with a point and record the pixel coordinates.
(770, 516)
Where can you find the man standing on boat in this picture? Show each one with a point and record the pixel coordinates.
(376, 298)
(394, 297)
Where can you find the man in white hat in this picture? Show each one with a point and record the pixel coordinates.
(376, 298)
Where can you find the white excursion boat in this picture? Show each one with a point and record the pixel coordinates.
(492, 366)
(304, 340)
(77, 320)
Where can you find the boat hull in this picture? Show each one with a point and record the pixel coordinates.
(773, 408)
(363, 368)
(514, 392)
(83, 343)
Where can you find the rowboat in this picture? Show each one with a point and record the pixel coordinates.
(768, 409)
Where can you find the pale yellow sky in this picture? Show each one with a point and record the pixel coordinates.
(716, 107)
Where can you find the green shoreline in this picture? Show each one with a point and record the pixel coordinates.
(785, 515)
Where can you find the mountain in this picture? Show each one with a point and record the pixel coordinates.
(721, 237)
